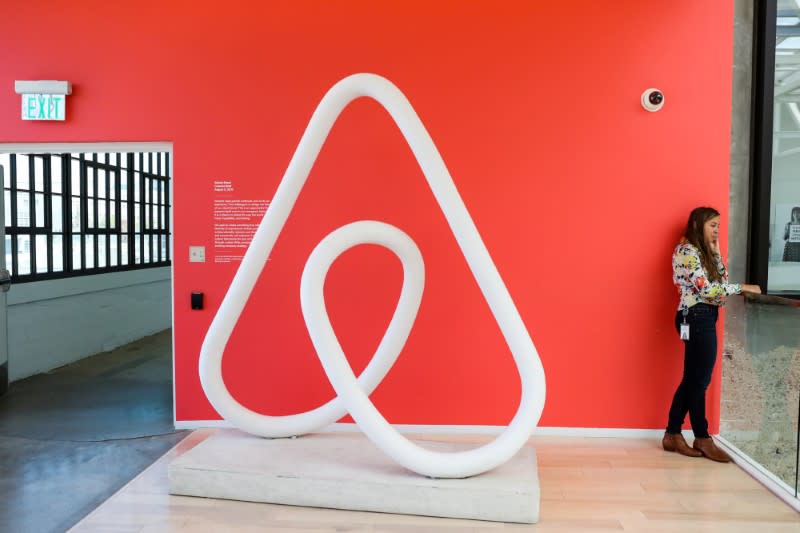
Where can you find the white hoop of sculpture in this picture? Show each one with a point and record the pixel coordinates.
(352, 393)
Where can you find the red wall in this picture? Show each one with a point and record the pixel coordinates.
(578, 193)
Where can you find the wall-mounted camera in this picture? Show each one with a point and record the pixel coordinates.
(652, 99)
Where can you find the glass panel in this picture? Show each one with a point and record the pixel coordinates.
(76, 252)
(23, 172)
(8, 255)
(114, 248)
(58, 253)
(23, 209)
(137, 248)
(146, 251)
(90, 214)
(39, 199)
(113, 177)
(7, 195)
(164, 239)
(75, 174)
(91, 176)
(58, 215)
(41, 254)
(784, 253)
(137, 161)
(38, 173)
(101, 251)
(124, 251)
(760, 397)
(101, 183)
(89, 251)
(146, 163)
(137, 227)
(55, 173)
(123, 187)
(5, 162)
(147, 185)
(123, 214)
(76, 215)
(101, 214)
(24, 254)
(137, 178)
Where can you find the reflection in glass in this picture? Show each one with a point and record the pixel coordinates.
(76, 252)
(76, 215)
(113, 249)
(101, 251)
(90, 251)
(124, 250)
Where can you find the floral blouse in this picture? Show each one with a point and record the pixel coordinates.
(692, 280)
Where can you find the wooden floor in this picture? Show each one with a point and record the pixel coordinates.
(588, 484)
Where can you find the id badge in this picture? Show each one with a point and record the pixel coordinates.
(684, 332)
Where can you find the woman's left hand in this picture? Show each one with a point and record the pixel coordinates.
(714, 246)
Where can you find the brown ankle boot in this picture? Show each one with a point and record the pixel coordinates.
(674, 442)
(709, 449)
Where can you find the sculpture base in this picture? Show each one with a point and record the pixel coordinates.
(346, 471)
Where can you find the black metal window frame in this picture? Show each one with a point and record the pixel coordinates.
(114, 213)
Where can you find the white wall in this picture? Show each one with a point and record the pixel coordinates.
(56, 322)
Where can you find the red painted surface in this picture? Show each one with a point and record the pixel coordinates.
(578, 193)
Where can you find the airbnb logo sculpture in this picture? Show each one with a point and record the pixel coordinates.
(353, 393)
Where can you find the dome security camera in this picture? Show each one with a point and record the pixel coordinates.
(652, 99)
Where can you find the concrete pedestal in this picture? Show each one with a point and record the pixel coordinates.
(346, 471)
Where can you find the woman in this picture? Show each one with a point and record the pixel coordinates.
(702, 281)
(791, 250)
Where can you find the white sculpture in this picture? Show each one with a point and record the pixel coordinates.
(352, 393)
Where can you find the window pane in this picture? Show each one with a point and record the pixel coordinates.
(58, 253)
(76, 215)
(5, 162)
(101, 183)
(137, 160)
(57, 213)
(24, 254)
(38, 173)
(7, 195)
(123, 187)
(55, 173)
(146, 162)
(41, 254)
(23, 209)
(137, 248)
(124, 251)
(39, 199)
(123, 213)
(146, 251)
(101, 214)
(114, 248)
(90, 214)
(101, 251)
(137, 226)
(76, 252)
(112, 187)
(164, 239)
(23, 172)
(75, 174)
(91, 176)
(89, 251)
(8, 254)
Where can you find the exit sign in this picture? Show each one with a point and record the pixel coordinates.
(44, 107)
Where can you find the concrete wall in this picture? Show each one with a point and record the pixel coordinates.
(56, 322)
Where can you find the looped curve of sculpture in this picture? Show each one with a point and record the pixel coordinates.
(353, 393)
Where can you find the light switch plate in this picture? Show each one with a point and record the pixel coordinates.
(197, 254)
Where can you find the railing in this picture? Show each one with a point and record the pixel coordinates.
(761, 389)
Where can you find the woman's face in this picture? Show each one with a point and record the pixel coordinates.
(711, 230)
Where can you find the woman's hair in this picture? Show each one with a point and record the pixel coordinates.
(795, 214)
(694, 234)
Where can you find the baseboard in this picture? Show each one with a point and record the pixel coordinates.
(615, 433)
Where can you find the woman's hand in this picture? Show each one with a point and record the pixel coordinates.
(755, 289)
(714, 247)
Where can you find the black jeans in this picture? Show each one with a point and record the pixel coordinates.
(700, 353)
